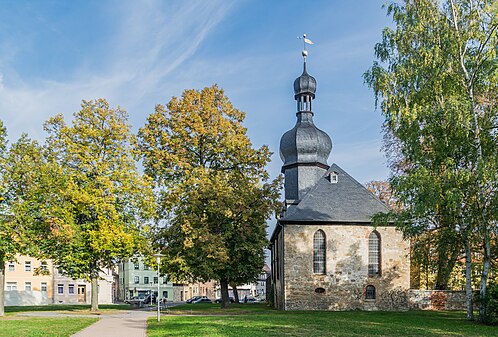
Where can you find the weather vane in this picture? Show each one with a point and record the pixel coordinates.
(305, 41)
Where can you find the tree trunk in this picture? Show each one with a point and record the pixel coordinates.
(445, 266)
(224, 293)
(235, 294)
(2, 286)
(468, 280)
(483, 314)
(95, 291)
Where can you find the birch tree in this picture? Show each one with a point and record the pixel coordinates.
(436, 81)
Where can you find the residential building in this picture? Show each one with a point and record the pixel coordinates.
(28, 281)
(71, 291)
(183, 292)
(136, 278)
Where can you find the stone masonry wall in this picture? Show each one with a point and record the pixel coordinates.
(436, 299)
(343, 285)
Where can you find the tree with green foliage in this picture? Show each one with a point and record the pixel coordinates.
(437, 83)
(103, 203)
(20, 168)
(213, 189)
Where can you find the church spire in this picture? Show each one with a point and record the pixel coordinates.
(304, 149)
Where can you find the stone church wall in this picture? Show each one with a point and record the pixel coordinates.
(343, 285)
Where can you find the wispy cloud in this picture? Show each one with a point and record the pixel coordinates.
(151, 41)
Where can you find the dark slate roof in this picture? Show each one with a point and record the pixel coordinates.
(344, 201)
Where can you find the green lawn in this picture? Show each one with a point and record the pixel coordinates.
(256, 320)
(13, 325)
(42, 326)
(77, 308)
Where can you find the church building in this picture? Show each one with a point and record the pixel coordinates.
(326, 254)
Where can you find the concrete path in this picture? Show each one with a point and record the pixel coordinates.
(130, 323)
(125, 324)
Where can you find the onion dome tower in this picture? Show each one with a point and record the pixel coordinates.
(304, 149)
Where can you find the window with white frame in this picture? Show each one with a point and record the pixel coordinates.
(44, 266)
(136, 266)
(155, 279)
(319, 249)
(12, 266)
(11, 286)
(165, 279)
(70, 289)
(43, 286)
(27, 286)
(60, 289)
(136, 279)
(146, 279)
(333, 177)
(374, 254)
(27, 265)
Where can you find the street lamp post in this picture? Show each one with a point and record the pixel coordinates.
(158, 259)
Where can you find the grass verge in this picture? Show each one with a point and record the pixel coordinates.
(75, 308)
(42, 327)
(254, 320)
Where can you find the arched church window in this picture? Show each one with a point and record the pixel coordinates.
(374, 254)
(319, 247)
(370, 292)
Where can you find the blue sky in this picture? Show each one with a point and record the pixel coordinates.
(140, 53)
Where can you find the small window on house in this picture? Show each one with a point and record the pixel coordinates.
(370, 292)
(11, 286)
(155, 279)
(136, 279)
(60, 289)
(43, 286)
(146, 267)
(333, 177)
(165, 279)
(27, 286)
(319, 252)
(374, 254)
(44, 266)
(12, 266)
(146, 279)
(137, 266)
(165, 294)
(70, 289)
(27, 266)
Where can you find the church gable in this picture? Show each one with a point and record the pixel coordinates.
(337, 197)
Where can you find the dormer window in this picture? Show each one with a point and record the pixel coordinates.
(333, 177)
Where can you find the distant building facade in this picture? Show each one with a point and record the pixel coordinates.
(136, 278)
(71, 291)
(184, 291)
(326, 254)
(28, 281)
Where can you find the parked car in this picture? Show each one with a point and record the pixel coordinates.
(231, 299)
(137, 300)
(195, 298)
(248, 300)
(202, 300)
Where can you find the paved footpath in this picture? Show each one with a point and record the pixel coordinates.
(132, 323)
(125, 324)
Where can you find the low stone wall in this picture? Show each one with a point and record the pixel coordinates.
(436, 299)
